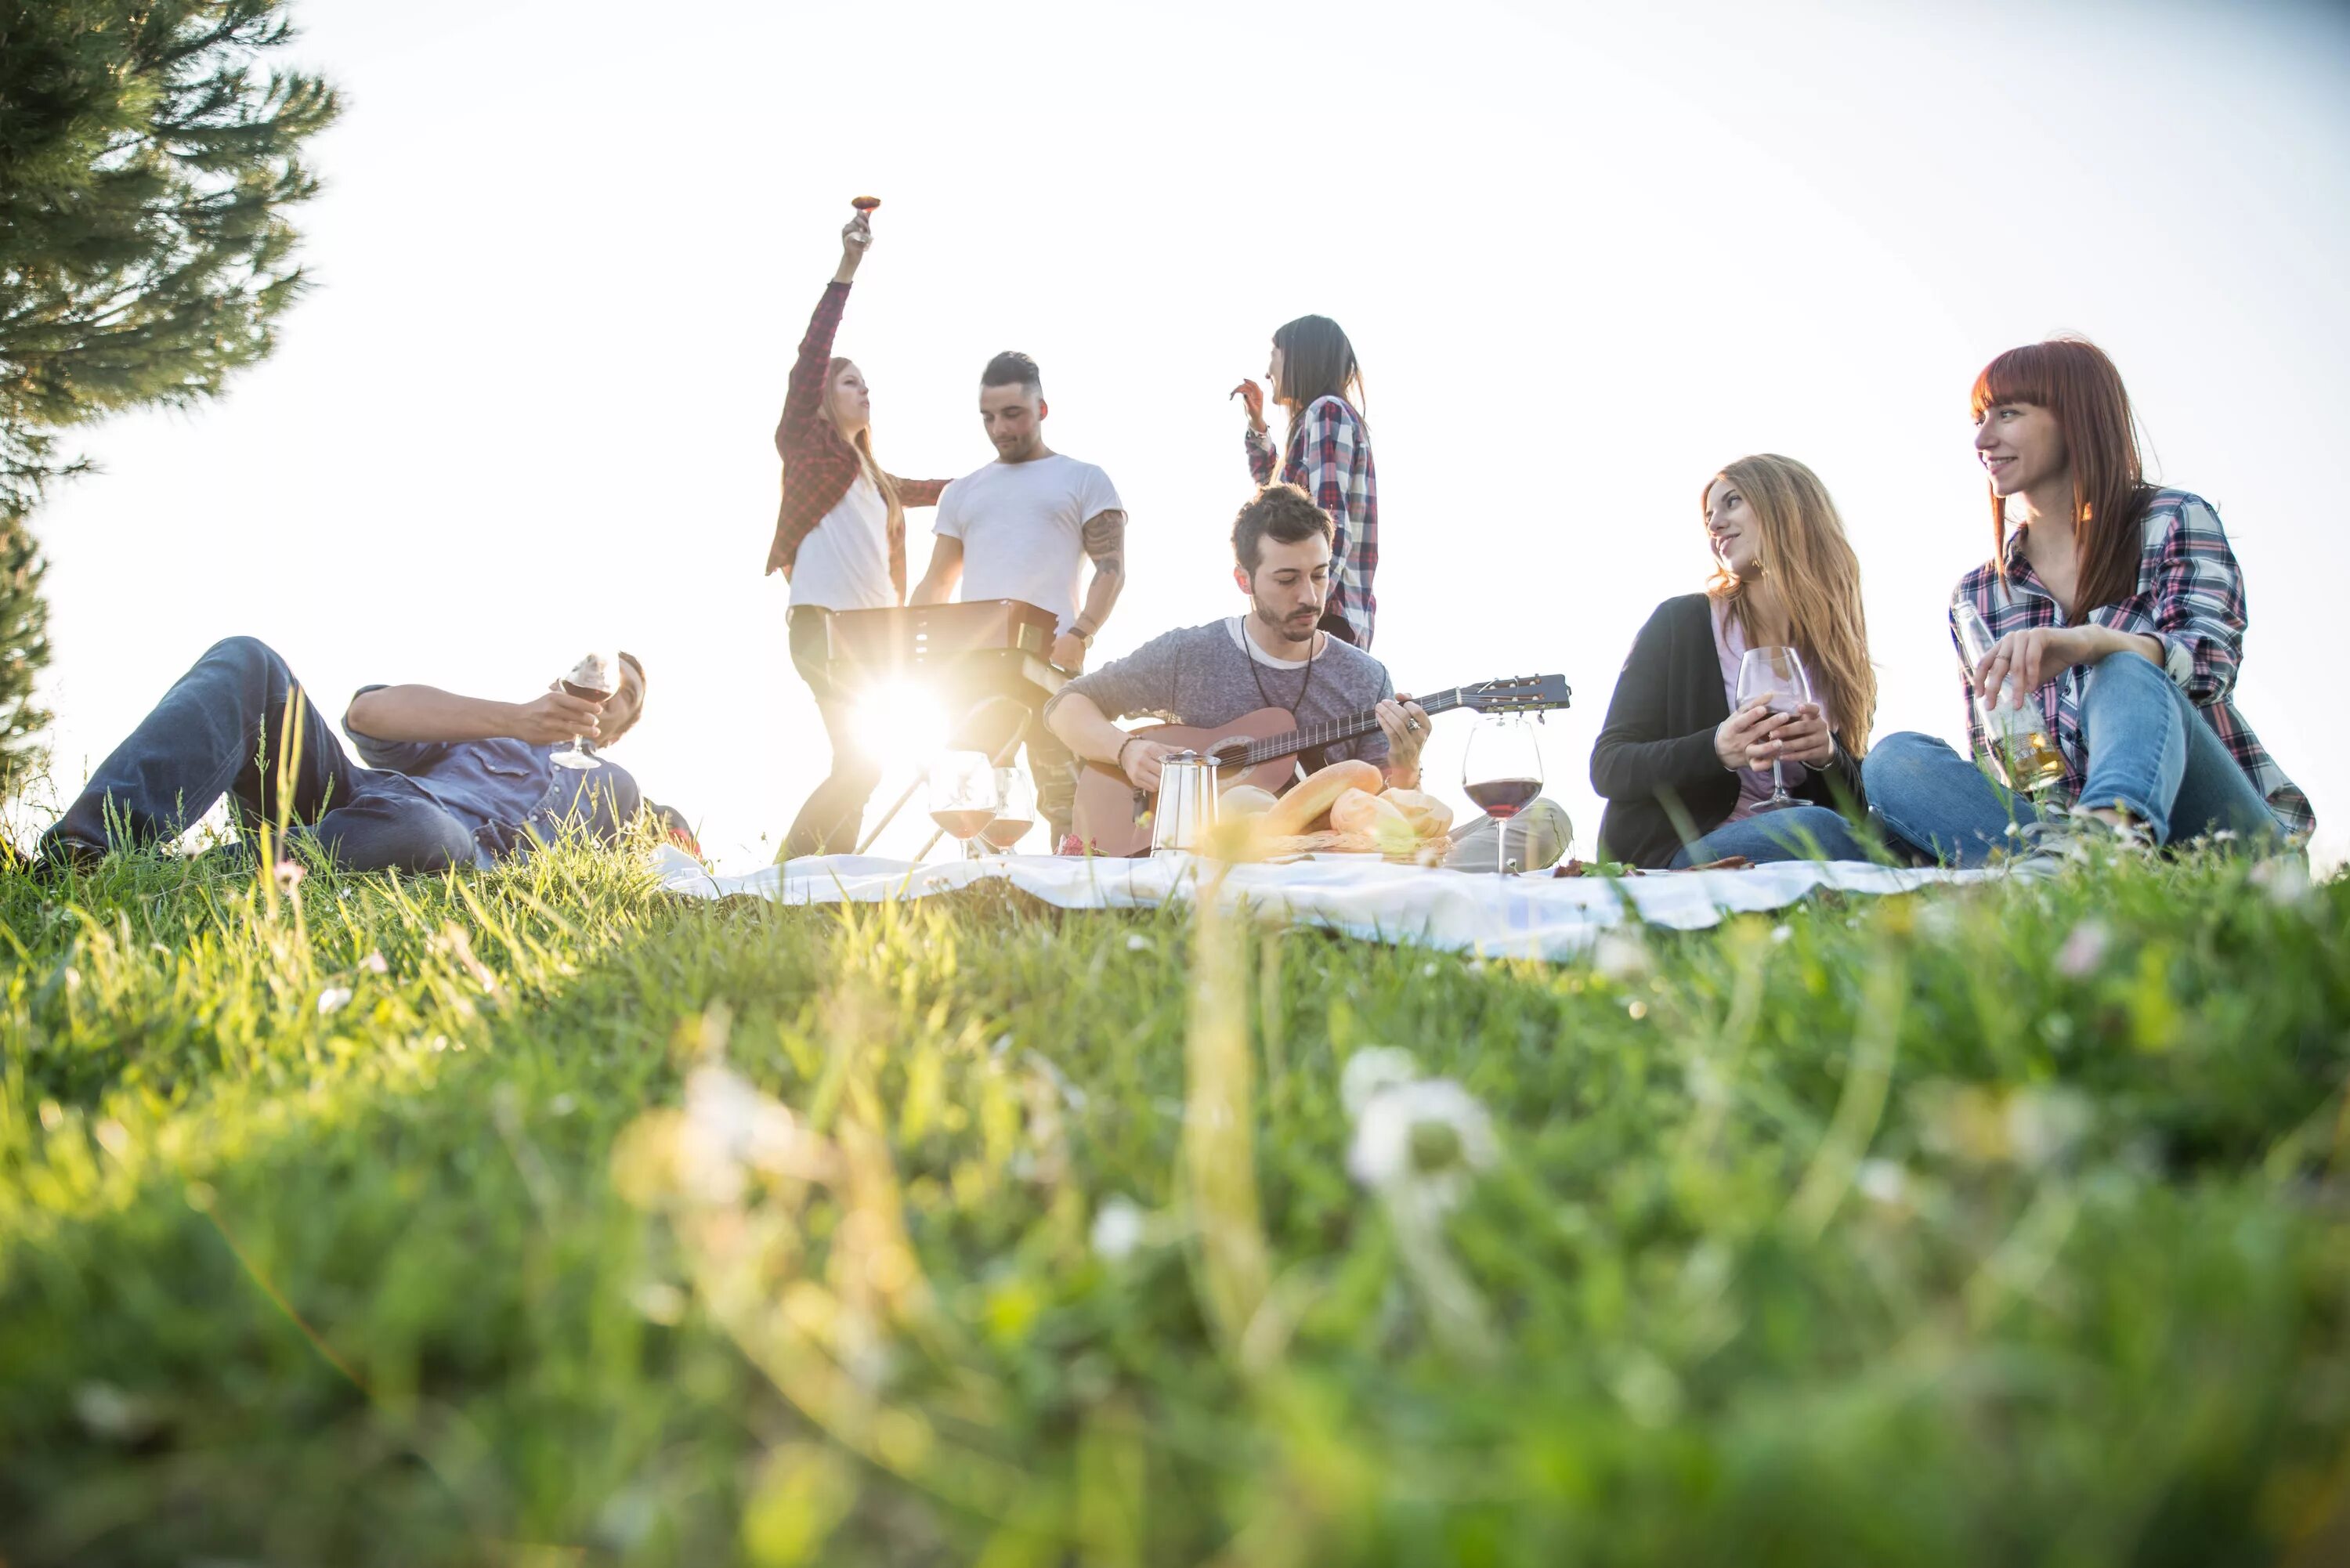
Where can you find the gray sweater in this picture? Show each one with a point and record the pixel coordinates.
(1202, 676)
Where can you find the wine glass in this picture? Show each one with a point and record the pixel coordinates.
(965, 796)
(1502, 772)
(1776, 676)
(596, 677)
(1015, 816)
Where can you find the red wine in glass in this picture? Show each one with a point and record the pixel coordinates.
(1502, 772)
(1006, 831)
(596, 678)
(965, 822)
(1503, 798)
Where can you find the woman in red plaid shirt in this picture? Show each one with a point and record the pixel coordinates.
(1327, 455)
(840, 539)
(2119, 609)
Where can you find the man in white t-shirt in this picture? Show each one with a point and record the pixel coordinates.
(1023, 528)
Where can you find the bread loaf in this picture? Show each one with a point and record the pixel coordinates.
(1304, 805)
(1359, 811)
(1429, 817)
(1245, 800)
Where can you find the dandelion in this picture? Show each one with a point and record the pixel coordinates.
(1372, 1071)
(1118, 1229)
(334, 999)
(1425, 1139)
(2084, 950)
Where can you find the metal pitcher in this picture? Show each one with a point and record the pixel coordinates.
(1187, 803)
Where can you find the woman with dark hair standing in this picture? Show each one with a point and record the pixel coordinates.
(2117, 611)
(1327, 454)
(1685, 767)
(840, 539)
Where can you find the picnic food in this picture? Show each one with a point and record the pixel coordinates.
(1245, 800)
(1428, 816)
(1359, 811)
(1303, 807)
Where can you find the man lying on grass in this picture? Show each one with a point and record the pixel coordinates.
(450, 780)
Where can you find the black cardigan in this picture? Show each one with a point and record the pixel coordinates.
(1655, 754)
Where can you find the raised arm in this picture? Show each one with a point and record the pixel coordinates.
(427, 713)
(803, 394)
(1105, 540)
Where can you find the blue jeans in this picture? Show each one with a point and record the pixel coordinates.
(1790, 833)
(2151, 754)
(223, 729)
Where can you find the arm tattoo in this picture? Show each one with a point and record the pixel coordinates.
(1105, 537)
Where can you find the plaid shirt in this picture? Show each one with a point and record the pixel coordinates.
(2189, 598)
(818, 465)
(1329, 458)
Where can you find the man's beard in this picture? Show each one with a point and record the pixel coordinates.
(1281, 628)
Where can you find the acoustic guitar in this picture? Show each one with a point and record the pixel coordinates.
(1111, 816)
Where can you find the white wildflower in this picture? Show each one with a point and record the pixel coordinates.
(1138, 943)
(1619, 957)
(1781, 933)
(1939, 921)
(2043, 1125)
(373, 964)
(1118, 1228)
(2084, 950)
(1426, 1139)
(334, 999)
(1882, 1181)
(731, 1125)
(289, 874)
(1373, 1070)
(110, 1414)
(2285, 878)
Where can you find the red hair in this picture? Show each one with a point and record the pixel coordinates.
(2073, 380)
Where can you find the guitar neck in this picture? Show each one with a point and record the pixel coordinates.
(1330, 731)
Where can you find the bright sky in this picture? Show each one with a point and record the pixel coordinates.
(1587, 254)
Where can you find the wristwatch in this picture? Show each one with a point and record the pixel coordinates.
(1082, 635)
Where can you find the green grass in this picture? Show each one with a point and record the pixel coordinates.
(1872, 1233)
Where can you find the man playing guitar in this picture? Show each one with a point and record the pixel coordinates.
(1271, 657)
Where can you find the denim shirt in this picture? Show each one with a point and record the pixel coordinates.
(492, 787)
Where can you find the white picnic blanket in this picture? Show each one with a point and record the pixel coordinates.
(1534, 914)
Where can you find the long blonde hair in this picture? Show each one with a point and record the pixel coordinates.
(863, 442)
(1817, 578)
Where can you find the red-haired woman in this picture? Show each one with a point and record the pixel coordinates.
(2119, 607)
(840, 538)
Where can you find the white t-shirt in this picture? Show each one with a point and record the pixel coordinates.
(844, 563)
(1022, 529)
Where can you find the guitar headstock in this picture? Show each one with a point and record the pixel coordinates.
(1517, 694)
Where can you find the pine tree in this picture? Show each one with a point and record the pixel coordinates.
(147, 165)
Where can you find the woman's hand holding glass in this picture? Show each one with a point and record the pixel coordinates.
(1801, 736)
(1735, 738)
